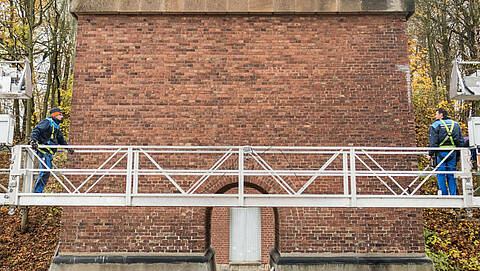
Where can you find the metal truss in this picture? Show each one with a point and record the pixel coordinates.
(297, 176)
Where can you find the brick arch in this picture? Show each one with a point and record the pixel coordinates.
(210, 210)
(222, 184)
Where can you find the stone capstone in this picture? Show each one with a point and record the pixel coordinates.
(240, 6)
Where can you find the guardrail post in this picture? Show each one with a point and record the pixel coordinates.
(128, 191)
(353, 180)
(11, 198)
(136, 159)
(467, 180)
(241, 178)
(28, 181)
(345, 173)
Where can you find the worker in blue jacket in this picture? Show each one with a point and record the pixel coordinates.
(47, 132)
(445, 133)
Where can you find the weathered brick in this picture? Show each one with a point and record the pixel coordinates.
(329, 80)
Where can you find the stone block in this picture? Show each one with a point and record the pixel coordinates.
(284, 5)
(374, 5)
(216, 5)
(129, 5)
(316, 6)
(193, 5)
(152, 6)
(349, 5)
(305, 5)
(326, 5)
(260, 5)
(237, 5)
(172, 5)
(98, 6)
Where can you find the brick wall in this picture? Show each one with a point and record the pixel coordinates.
(319, 80)
(136, 229)
(220, 230)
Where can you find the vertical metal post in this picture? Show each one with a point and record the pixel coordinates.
(128, 191)
(14, 179)
(241, 178)
(353, 180)
(136, 160)
(345, 173)
(28, 183)
(28, 178)
(466, 175)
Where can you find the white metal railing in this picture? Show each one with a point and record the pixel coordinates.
(191, 176)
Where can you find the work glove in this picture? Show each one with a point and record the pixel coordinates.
(70, 151)
(34, 144)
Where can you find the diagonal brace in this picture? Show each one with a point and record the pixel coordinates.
(383, 170)
(378, 177)
(101, 177)
(49, 170)
(433, 172)
(163, 171)
(312, 179)
(275, 176)
(214, 168)
(101, 166)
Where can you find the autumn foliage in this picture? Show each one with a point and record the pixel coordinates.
(34, 249)
(452, 237)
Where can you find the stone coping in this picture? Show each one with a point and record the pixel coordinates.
(146, 254)
(279, 259)
(352, 254)
(352, 260)
(128, 258)
(240, 6)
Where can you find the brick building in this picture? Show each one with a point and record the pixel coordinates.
(256, 72)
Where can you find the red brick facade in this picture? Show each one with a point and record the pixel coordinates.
(310, 80)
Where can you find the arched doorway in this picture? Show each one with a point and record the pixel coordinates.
(222, 222)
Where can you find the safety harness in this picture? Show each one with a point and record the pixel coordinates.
(52, 136)
(449, 135)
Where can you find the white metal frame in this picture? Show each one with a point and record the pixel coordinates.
(356, 162)
(25, 78)
(459, 90)
(7, 125)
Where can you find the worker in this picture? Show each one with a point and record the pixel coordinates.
(47, 132)
(445, 133)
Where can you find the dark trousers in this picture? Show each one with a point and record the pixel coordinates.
(44, 175)
(449, 165)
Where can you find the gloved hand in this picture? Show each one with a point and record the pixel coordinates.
(34, 144)
(70, 151)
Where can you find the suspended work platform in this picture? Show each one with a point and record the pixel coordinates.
(241, 176)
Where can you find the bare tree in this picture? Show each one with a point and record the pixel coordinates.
(446, 29)
(42, 31)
